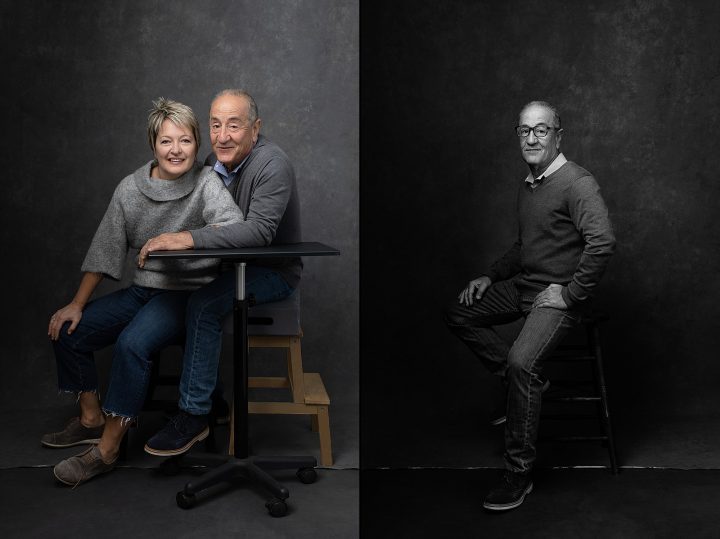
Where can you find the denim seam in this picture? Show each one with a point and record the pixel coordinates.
(529, 408)
(184, 400)
(195, 347)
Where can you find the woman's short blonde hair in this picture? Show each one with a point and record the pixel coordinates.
(179, 114)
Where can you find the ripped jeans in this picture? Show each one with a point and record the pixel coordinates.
(140, 322)
(520, 365)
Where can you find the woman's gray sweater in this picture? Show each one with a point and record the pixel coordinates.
(143, 207)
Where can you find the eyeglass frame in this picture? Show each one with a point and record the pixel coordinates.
(548, 127)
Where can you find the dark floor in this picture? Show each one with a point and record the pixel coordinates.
(135, 500)
(464, 439)
(21, 430)
(567, 503)
(140, 503)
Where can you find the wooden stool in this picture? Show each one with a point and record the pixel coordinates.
(277, 325)
(270, 325)
(588, 352)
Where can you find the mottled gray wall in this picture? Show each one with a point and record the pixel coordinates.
(638, 85)
(78, 80)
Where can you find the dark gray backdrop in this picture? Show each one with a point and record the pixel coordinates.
(78, 80)
(638, 86)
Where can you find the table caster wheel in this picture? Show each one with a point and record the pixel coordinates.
(276, 507)
(307, 475)
(185, 501)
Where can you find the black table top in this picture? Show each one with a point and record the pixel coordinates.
(306, 248)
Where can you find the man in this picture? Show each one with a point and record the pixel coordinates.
(261, 179)
(564, 243)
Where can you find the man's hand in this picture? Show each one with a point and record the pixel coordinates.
(550, 297)
(474, 290)
(170, 241)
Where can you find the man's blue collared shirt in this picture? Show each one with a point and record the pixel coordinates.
(228, 177)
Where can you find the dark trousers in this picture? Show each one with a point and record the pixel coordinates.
(140, 322)
(520, 364)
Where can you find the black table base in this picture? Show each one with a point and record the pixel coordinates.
(240, 465)
(253, 469)
(227, 468)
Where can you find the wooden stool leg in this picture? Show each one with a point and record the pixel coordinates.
(323, 420)
(295, 370)
(309, 396)
(594, 339)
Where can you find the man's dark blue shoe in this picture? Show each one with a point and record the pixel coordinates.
(219, 413)
(509, 493)
(178, 435)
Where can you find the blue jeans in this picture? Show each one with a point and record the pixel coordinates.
(206, 310)
(520, 364)
(140, 321)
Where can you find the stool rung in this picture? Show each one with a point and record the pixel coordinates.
(315, 392)
(274, 382)
(571, 383)
(571, 399)
(569, 416)
(571, 358)
(573, 438)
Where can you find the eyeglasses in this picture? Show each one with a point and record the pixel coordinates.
(540, 130)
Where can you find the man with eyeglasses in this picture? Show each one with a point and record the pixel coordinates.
(564, 243)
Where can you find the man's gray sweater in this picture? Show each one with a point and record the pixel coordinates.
(265, 191)
(565, 236)
(143, 207)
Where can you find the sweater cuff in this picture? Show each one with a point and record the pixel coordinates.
(198, 237)
(565, 293)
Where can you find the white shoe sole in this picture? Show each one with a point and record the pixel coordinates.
(179, 451)
(507, 506)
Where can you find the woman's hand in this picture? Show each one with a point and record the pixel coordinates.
(72, 312)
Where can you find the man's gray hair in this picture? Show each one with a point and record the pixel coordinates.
(545, 104)
(179, 114)
(237, 92)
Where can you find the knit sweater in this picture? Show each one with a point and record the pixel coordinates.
(143, 207)
(565, 236)
(265, 191)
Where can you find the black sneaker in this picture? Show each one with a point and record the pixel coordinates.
(510, 493)
(178, 435)
(501, 418)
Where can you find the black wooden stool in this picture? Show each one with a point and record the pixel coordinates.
(572, 391)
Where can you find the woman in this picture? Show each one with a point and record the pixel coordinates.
(170, 193)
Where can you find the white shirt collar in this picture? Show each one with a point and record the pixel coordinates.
(554, 166)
